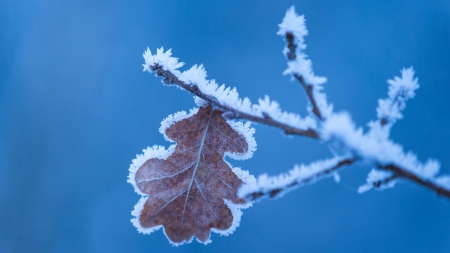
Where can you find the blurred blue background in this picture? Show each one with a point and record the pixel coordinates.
(76, 108)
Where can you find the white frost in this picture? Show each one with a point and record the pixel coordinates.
(174, 118)
(343, 136)
(376, 176)
(227, 96)
(340, 131)
(196, 74)
(400, 90)
(272, 109)
(284, 182)
(294, 24)
(163, 59)
(150, 152)
(237, 214)
(247, 132)
(336, 177)
(443, 181)
(301, 65)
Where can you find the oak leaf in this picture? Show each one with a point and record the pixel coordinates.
(191, 189)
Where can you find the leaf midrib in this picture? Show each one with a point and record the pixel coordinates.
(200, 150)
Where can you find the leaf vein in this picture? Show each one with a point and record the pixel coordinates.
(207, 202)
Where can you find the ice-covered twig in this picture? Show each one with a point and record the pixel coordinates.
(293, 28)
(266, 112)
(435, 184)
(343, 136)
(401, 89)
(273, 187)
(386, 176)
(379, 179)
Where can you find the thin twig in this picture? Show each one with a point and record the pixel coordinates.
(309, 92)
(401, 94)
(291, 56)
(402, 173)
(379, 183)
(170, 78)
(273, 193)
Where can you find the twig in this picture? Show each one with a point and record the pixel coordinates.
(273, 193)
(291, 56)
(402, 173)
(170, 78)
(309, 92)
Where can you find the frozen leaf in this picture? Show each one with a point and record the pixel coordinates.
(191, 189)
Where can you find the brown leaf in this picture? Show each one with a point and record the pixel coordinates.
(187, 190)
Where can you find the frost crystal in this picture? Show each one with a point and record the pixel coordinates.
(400, 90)
(164, 59)
(272, 109)
(294, 24)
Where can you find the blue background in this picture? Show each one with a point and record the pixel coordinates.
(75, 108)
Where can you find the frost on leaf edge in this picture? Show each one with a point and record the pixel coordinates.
(160, 152)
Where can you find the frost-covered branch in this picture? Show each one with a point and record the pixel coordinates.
(343, 137)
(274, 187)
(194, 81)
(294, 30)
(401, 89)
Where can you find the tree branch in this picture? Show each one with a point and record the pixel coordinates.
(170, 78)
(336, 129)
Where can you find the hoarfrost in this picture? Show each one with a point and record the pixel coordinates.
(196, 75)
(374, 177)
(295, 24)
(272, 109)
(401, 89)
(301, 65)
(336, 177)
(286, 181)
(163, 59)
(343, 136)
